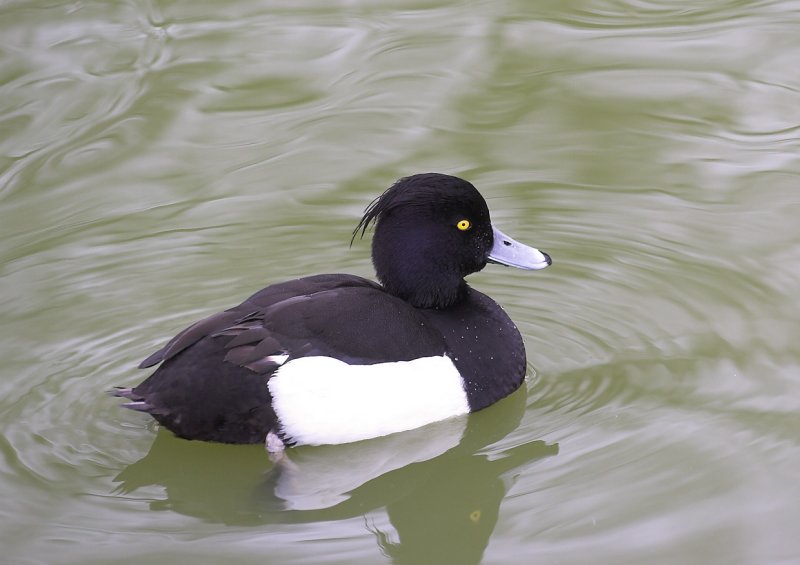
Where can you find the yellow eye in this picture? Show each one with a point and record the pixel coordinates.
(464, 225)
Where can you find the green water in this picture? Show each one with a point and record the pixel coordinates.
(162, 161)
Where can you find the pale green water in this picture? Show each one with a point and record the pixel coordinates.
(159, 162)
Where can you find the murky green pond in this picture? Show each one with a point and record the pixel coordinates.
(160, 161)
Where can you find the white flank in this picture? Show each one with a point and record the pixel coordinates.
(321, 400)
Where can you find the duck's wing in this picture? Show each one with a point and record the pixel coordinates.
(224, 323)
(351, 321)
(357, 325)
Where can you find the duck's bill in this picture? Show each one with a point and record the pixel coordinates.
(507, 251)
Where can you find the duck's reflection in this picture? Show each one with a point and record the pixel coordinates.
(442, 494)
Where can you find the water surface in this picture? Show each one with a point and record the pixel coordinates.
(162, 161)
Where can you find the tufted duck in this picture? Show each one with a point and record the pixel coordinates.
(331, 359)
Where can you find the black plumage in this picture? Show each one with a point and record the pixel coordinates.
(211, 382)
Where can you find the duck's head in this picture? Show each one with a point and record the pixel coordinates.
(432, 230)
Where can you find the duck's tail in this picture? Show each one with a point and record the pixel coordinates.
(137, 402)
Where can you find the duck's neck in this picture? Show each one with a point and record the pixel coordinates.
(422, 288)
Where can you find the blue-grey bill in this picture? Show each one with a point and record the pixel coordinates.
(507, 251)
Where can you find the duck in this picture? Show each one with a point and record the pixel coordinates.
(338, 358)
